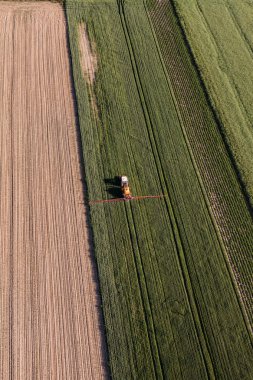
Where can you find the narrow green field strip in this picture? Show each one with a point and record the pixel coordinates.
(218, 23)
(242, 12)
(240, 29)
(220, 182)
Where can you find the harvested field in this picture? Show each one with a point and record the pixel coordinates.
(49, 306)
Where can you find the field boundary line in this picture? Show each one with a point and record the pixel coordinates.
(177, 238)
(220, 240)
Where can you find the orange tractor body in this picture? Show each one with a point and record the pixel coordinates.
(126, 194)
(125, 188)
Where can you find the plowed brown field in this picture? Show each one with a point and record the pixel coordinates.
(50, 325)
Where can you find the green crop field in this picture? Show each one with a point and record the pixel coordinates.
(221, 37)
(168, 267)
(218, 175)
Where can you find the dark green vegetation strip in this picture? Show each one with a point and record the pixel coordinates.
(170, 307)
(220, 34)
(209, 150)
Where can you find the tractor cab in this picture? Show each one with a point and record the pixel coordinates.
(125, 188)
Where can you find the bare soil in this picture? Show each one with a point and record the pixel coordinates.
(88, 55)
(50, 321)
(89, 65)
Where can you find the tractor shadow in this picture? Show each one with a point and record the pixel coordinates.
(113, 187)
